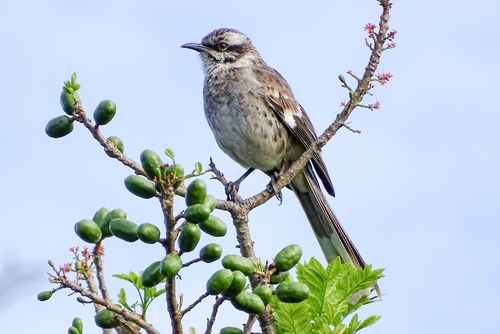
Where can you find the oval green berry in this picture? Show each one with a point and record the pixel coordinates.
(148, 233)
(88, 231)
(152, 275)
(219, 281)
(140, 186)
(124, 229)
(171, 265)
(104, 112)
(248, 302)
(106, 319)
(59, 127)
(237, 262)
(210, 253)
(151, 162)
(196, 192)
(189, 237)
(288, 257)
(197, 213)
(264, 292)
(214, 226)
(44, 295)
(104, 223)
(292, 292)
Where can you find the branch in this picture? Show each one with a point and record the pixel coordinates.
(135, 318)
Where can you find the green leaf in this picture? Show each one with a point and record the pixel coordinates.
(169, 153)
(124, 277)
(159, 293)
(369, 321)
(198, 167)
(122, 299)
(293, 318)
(192, 330)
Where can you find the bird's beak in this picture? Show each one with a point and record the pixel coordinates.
(196, 47)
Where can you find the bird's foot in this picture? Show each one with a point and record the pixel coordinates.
(272, 189)
(233, 187)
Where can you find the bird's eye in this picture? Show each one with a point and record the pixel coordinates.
(223, 46)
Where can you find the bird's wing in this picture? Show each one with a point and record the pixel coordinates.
(283, 103)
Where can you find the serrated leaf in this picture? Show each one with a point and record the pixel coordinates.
(122, 299)
(293, 318)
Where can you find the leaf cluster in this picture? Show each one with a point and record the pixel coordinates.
(336, 292)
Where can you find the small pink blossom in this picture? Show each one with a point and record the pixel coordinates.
(383, 78)
(370, 28)
(66, 267)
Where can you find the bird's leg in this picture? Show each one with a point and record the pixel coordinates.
(274, 177)
(233, 187)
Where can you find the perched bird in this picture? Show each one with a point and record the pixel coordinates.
(257, 121)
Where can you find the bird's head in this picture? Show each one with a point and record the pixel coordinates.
(225, 47)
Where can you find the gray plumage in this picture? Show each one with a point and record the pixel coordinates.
(257, 121)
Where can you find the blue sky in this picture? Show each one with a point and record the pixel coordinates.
(417, 190)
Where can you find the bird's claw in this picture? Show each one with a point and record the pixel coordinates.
(272, 189)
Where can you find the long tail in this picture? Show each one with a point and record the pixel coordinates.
(331, 236)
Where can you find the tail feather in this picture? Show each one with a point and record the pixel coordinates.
(331, 236)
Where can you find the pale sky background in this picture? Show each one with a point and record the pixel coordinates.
(418, 190)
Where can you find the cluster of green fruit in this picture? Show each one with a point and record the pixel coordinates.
(231, 281)
(106, 223)
(76, 326)
(63, 125)
(198, 218)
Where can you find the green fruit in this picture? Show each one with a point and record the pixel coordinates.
(124, 229)
(117, 142)
(78, 324)
(214, 226)
(68, 101)
(175, 174)
(211, 202)
(189, 237)
(104, 223)
(288, 257)
(292, 292)
(197, 213)
(219, 281)
(88, 231)
(170, 265)
(140, 186)
(248, 302)
(59, 127)
(99, 215)
(196, 192)
(148, 233)
(237, 284)
(73, 330)
(264, 292)
(230, 330)
(279, 277)
(151, 162)
(125, 330)
(44, 295)
(106, 319)
(237, 262)
(152, 275)
(210, 253)
(104, 112)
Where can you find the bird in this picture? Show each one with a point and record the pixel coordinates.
(258, 123)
